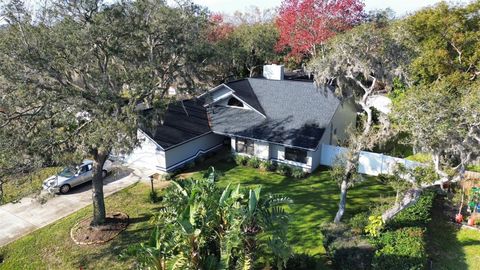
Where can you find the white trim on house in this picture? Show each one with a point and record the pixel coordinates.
(179, 164)
(264, 116)
(293, 163)
(231, 93)
(215, 89)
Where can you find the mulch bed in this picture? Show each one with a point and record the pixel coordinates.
(84, 234)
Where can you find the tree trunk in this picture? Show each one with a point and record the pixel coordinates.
(411, 197)
(1, 191)
(343, 201)
(100, 156)
(250, 249)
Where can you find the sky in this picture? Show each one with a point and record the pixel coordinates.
(401, 7)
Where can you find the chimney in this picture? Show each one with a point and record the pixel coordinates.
(273, 72)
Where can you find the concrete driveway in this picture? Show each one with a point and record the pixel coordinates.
(21, 218)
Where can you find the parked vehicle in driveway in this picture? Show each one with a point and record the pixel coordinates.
(73, 176)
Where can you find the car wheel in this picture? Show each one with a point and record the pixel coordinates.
(104, 174)
(64, 189)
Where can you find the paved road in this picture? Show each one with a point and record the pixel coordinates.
(28, 215)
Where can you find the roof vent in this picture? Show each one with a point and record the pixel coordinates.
(273, 72)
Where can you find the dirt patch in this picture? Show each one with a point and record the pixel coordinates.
(84, 234)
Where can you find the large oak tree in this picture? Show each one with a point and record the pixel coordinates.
(90, 64)
(360, 64)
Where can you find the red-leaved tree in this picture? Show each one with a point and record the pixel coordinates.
(219, 29)
(304, 25)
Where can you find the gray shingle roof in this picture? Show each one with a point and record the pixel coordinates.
(181, 123)
(297, 113)
(244, 90)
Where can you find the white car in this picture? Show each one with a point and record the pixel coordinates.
(70, 177)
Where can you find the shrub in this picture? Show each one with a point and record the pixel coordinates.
(400, 249)
(301, 262)
(241, 160)
(415, 215)
(284, 169)
(374, 226)
(201, 158)
(190, 165)
(169, 176)
(420, 157)
(254, 162)
(268, 165)
(153, 196)
(230, 158)
(346, 250)
(358, 223)
(298, 173)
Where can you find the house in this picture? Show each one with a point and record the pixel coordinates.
(271, 118)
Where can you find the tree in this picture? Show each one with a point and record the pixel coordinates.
(306, 25)
(92, 64)
(254, 46)
(440, 111)
(358, 65)
(240, 50)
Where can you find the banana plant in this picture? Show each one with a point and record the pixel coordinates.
(247, 217)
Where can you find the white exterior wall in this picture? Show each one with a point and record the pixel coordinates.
(261, 150)
(147, 155)
(150, 155)
(277, 153)
(315, 157)
(233, 144)
(181, 154)
(344, 117)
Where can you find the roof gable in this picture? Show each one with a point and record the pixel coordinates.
(297, 113)
(244, 91)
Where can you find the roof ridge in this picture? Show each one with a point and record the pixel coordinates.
(284, 80)
(237, 80)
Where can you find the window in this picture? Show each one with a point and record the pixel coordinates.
(245, 146)
(296, 155)
(234, 102)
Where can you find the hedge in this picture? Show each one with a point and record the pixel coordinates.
(401, 249)
(402, 245)
(347, 250)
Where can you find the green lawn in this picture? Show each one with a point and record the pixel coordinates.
(315, 199)
(52, 248)
(19, 186)
(450, 247)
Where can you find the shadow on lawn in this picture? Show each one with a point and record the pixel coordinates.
(112, 250)
(444, 249)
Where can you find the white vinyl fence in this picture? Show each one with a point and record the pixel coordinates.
(370, 163)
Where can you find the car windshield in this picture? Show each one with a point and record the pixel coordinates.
(67, 172)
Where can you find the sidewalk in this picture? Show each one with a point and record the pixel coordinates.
(28, 215)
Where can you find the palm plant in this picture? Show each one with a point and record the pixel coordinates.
(245, 219)
(199, 228)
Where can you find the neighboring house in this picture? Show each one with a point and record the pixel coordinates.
(273, 119)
